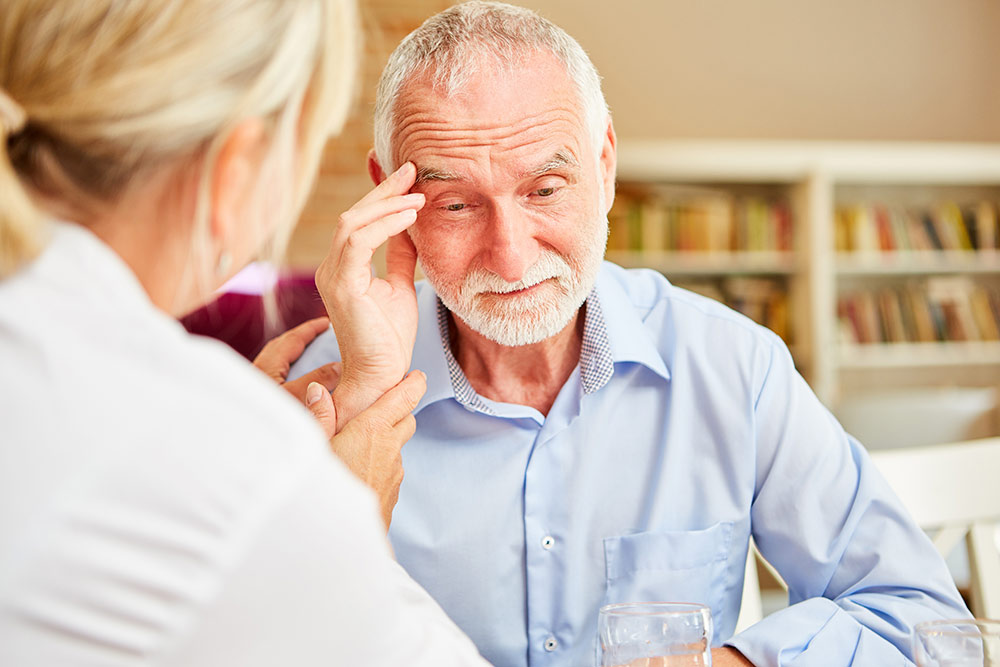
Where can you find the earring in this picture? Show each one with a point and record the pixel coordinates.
(225, 263)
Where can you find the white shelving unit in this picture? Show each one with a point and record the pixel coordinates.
(919, 263)
(816, 176)
(710, 264)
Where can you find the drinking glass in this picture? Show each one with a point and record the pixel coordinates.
(655, 634)
(957, 643)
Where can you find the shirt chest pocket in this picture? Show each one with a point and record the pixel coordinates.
(669, 566)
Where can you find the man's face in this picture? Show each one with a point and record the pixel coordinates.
(514, 228)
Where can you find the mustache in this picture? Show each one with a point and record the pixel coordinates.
(549, 265)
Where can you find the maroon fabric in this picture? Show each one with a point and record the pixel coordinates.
(238, 319)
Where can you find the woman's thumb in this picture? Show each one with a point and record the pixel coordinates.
(320, 404)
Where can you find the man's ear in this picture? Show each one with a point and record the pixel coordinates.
(234, 175)
(374, 168)
(609, 166)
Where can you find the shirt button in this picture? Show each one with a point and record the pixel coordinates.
(548, 542)
(551, 644)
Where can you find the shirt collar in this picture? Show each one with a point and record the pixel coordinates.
(612, 332)
(461, 389)
(629, 337)
(429, 351)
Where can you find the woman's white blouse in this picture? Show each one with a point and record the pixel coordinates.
(162, 503)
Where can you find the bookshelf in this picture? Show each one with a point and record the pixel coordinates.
(848, 236)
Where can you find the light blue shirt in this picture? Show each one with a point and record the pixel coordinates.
(684, 430)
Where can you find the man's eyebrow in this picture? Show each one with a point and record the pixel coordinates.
(560, 160)
(425, 174)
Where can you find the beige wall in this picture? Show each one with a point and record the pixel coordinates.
(919, 70)
(802, 69)
(344, 178)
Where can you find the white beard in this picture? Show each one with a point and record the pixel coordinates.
(530, 318)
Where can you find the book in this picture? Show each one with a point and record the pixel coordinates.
(930, 228)
(654, 225)
(891, 312)
(982, 313)
(705, 220)
(945, 308)
(986, 226)
(880, 228)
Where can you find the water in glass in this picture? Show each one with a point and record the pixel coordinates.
(655, 634)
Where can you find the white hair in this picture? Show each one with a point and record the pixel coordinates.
(453, 45)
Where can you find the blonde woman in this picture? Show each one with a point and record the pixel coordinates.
(162, 503)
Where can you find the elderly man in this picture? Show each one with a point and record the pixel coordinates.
(589, 434)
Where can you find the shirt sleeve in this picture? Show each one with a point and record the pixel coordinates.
(317, 585)
(860, 572)
(322, 350)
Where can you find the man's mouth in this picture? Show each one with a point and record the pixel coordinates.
(523, 291)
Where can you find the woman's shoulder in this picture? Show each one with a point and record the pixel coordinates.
(142, 495)
(225, 395)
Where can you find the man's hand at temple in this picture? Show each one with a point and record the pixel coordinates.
(375, 319)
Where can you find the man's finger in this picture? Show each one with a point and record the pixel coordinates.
(362, 244)
(398, 182)
(360, 217)
(320, 404)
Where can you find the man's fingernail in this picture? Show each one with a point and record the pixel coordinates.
(314, 392)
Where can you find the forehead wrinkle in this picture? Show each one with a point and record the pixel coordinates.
(444, 159)
(428, 130)
(493, 131)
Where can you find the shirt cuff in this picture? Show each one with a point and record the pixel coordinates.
(814, 632)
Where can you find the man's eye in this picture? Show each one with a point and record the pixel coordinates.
(454, 207)
(545, 192)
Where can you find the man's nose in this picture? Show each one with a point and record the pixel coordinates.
(512, 244)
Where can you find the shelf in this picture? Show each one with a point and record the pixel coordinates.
(918, 263)
(793, 161)
(707, 263)
(814, 178)
(910, 355)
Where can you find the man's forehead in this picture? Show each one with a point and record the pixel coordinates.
(536, 103)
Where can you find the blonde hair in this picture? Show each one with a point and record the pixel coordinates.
(110, 88)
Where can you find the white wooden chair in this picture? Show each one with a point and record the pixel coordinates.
(751, 606)
(953, 492)
(954, 489)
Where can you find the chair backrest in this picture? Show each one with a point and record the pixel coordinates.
(751, 604)
(954, 489)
